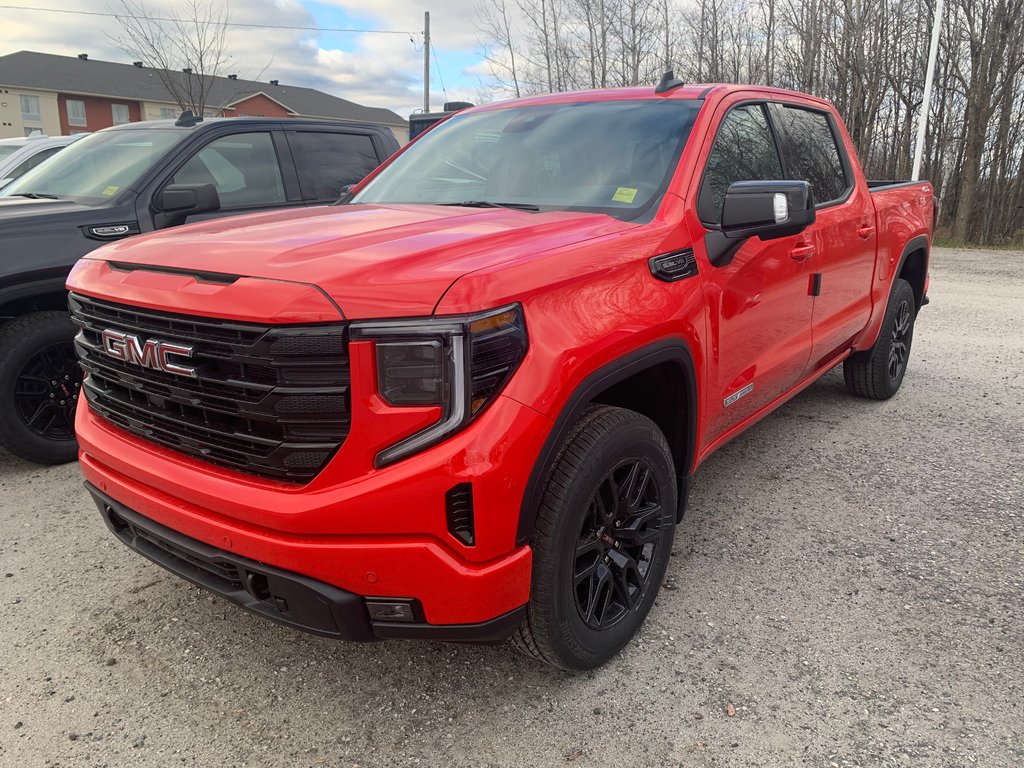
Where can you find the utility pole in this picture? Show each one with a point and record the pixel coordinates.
(922, 120)
(426, 61)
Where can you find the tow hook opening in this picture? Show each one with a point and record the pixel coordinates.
(257, 585)
(116, 521)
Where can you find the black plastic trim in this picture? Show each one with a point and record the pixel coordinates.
(311, 606)
(677, 265)
(668, 350)
(316, 607)
(495, 630)
(815, 284)
(919, 243)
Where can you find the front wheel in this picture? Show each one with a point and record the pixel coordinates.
(878, 372)
(603, 539)
(40, 382)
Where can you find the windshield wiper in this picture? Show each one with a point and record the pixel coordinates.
(36, 196)
(491, 204)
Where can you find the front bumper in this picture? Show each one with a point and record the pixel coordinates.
(282, 596)
(384, 534)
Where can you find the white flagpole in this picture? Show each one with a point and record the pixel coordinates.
(922, 120)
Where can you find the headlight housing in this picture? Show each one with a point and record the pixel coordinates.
(457, 362)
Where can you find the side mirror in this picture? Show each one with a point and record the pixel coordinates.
(767, 209)
(345, 195)
(183, 200)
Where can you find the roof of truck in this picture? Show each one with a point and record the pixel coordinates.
(686, 91)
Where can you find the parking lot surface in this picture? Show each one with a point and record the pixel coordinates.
(847, 589)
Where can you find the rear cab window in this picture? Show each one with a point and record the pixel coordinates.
(811, 152)
(328, 161)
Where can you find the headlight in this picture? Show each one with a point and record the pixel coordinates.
(457, 362)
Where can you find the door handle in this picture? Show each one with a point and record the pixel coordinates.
(866, 231)
(802, 252)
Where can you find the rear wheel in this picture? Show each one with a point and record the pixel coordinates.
(878, 372)
(603, 539)
(40, 381)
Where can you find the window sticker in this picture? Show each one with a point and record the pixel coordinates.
(624, 195)
(110, 190)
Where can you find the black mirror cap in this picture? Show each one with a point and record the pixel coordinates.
(749, 209)
(188, 199)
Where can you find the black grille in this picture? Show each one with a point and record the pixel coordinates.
(268, 400)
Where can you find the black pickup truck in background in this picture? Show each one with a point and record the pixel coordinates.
(123, 181)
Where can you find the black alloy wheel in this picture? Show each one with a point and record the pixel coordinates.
(899, 349)
(47, 390)
(878, 372)
(40, 386)
(602, 539)
(618, 542)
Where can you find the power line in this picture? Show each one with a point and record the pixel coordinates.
(437, 66)
(227, 24)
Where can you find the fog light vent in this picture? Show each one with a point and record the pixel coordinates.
(391, 610)
(459, 507)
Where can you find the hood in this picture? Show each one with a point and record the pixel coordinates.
(374, 261)
(13, 209)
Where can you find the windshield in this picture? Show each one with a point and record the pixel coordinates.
(97, 167)
(6, 150)
(613, 157)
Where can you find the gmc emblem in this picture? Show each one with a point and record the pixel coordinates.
(152, 354)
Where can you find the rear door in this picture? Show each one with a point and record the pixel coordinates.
(759, 310)
(328, 160)
(843, 236)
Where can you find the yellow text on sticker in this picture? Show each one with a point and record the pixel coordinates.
(624, 195)
(110, 190)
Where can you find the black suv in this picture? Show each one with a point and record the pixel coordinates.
(123, 181)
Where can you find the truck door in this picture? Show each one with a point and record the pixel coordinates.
(759, 310)
(247, 170)
(843, 236)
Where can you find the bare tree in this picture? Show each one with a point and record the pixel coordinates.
(187, 51)
(867, 56)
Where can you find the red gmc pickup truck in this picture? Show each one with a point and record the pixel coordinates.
(466, 403)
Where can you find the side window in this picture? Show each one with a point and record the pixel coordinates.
(243, 167)
(811, 153)
(27, 165)
(326, 162)
(744, 150)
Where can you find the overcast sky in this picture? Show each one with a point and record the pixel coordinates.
(380, 70)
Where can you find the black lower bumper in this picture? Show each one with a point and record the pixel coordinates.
(282, 596)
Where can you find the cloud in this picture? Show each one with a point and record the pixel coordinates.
(372, 69)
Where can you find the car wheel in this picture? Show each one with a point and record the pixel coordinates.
(602, 540)
(878, 372)
(40, 381)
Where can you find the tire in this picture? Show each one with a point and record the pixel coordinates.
(618, 552)
(39, 385)
(877, 373)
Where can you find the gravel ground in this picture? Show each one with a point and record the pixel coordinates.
(846, 590)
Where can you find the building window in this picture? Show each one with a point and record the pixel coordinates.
(30, 108)
(76, 112)
(120, 114)
(168, 113)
